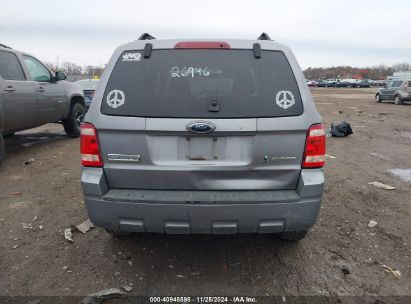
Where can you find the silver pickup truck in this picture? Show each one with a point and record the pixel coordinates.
(31, 95)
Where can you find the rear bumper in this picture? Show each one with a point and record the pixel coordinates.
(215, 212)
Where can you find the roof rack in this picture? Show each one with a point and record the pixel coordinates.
(5, 46)
(146, 36)
(264, 36)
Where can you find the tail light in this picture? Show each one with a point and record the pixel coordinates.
(89, 146)
(314, 154)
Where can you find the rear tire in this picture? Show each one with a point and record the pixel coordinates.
(1, 148)
(74, 120)
(377, 98)
(294, 236)
(398, 100)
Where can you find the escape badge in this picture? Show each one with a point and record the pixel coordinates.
(131, 56)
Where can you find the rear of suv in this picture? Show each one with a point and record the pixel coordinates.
(203, 136)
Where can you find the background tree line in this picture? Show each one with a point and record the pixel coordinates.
(379, 72)
(77, 72)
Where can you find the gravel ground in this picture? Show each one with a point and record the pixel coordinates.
(342, 255)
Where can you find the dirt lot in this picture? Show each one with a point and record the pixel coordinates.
(40, 199)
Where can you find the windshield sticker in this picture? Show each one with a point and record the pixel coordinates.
(285, 99)
(131, 57)
(116, 98)
(192, 72)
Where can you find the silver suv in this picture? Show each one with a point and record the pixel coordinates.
(397, 90)
(203, 136)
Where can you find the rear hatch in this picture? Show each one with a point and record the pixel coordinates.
(202, 119)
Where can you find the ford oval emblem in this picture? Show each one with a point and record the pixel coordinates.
(200, 127)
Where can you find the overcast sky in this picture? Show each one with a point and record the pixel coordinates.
(321, 33)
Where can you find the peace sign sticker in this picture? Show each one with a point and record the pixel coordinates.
(116, 98)
(285, 99)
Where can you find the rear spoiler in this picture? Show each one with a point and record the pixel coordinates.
(256, 46)
(147, 36)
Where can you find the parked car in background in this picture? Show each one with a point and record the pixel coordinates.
(363, 83)
(311, 83)
(398, 90)
(380, 83)
(89, 87)
(31, 95)
(373, 82)
(343, 83)
(348, 83)
(331, 82)
(150, 165)
(321, 83)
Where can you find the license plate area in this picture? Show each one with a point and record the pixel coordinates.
(202, 148)
(180, 150)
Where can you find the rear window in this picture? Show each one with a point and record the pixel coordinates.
(10, 67)
(202, 84)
